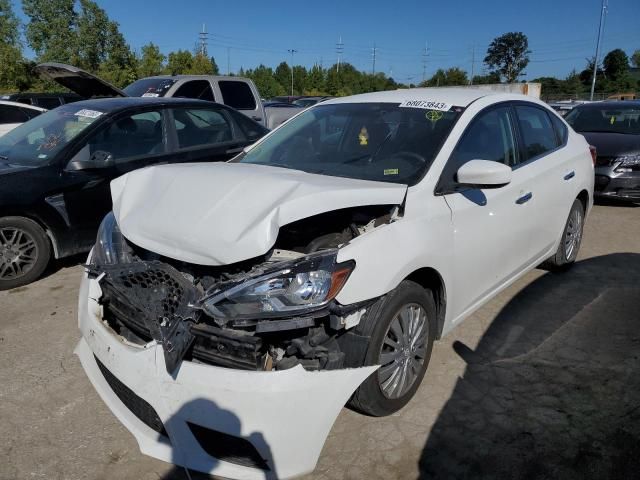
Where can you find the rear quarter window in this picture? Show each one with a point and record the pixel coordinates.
(538, 134)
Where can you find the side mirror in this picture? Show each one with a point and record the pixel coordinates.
(98, 160)
(484, 174)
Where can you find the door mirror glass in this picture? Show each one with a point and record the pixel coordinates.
(484, 174)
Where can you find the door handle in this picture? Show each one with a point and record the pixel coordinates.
(570, 175)
(525, 198)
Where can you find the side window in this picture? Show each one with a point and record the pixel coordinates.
(537, 132)
(10, 114)
(237, 95)
(130, 136)
(252, 130)
(561, 130)
(200, 127)
(200, 89)
(49, 102)
(488, 137)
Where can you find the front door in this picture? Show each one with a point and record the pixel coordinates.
(491, 225)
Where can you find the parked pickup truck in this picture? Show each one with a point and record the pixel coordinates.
(237, 92)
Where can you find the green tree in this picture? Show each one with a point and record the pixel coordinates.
(151, 61)
(120, 67)
(13, 67)
(283, 76)
(201, 65)
(299, 79)
(450, 77)
(508, 55)
(93, 25)
(487, 79)
(315, 81)
(616, 64)
(9, 25)
(635, 59)
(50, 31)
(265, 81)
(180, 62)
(214, 66)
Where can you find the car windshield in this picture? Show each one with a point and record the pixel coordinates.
(149, 87)
(369, 141)
(37, 141)
(605, 118)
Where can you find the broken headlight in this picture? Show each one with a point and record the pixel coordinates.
(111, 247)
(291, 288)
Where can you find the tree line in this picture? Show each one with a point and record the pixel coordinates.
(80, 33)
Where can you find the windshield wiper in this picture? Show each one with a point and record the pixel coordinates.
(374, 155)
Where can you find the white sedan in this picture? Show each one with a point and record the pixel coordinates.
(13, 114)
(230, 310)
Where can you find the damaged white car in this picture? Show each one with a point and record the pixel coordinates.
(229, 311)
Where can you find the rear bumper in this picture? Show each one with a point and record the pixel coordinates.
(284, 416)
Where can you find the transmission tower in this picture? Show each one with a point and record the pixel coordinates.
(203, 41)
(339, 50)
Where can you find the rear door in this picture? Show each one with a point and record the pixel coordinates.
(549, 167)
(491, 226)
(207, 134)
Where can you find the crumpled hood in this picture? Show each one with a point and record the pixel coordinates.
(221, 213)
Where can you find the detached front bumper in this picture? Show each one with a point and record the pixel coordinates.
(222, 421)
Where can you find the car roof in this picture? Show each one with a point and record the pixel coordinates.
(461, 97)
(195, 77)
(22, 105)
(121, 103)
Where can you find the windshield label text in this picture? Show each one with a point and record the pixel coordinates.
(427, 104)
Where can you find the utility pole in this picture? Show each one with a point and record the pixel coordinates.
(473, 63)
(203, 41)
(228, 60)
(425, 54)
(373, 54)
(603, 13)
(339, 50)
(292, 51)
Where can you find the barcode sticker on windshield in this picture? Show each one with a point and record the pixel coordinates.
(427, 104)
(88, 113)
(148, 94)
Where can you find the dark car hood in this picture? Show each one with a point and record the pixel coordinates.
(612, 144)
(77, 80)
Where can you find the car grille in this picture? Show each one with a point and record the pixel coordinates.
(136, 405)
(228, 448)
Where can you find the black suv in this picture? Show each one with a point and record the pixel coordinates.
(55, 169)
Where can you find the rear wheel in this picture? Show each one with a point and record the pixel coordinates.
(401, 327)
(571, 240)
(24, 251)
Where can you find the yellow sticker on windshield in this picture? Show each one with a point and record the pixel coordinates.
(391, 171)
(433, 115)
(363, 136)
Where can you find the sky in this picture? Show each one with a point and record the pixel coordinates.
(562, 33)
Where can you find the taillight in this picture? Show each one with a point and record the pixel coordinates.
(594, 154)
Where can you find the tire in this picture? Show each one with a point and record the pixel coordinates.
(376, 396)
(25, 251)
(571, 240)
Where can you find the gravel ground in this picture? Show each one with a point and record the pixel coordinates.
(542, 382)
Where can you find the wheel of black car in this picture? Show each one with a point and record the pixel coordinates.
(401, 327)
(571, 240)
(24, 251)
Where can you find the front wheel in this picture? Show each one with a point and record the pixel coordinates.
(24, 251)
(401, 327)
(571, 240)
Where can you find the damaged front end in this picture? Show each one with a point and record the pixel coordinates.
(272, 312)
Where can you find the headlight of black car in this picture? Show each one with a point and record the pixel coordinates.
(291, 288)
(110, 247)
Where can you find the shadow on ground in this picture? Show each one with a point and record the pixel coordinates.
(553, 388)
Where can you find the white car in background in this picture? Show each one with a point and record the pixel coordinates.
(229, 311)
(13, 114)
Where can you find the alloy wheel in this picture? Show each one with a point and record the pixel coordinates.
(403, 351)
(573, 234)
(18, 252)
